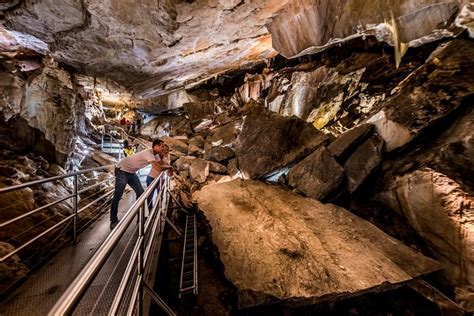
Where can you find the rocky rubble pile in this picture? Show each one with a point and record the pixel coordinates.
(411, 149)
(16, 167)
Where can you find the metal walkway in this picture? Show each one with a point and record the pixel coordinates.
(104, 271)
(41, 291)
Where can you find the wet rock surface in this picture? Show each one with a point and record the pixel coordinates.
(291, 253)
(269, 141)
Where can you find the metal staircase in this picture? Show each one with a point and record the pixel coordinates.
(112, 146)
(188, 280)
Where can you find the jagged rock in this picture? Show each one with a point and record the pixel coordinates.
(176, 144)
(453, 153)
(217, 167)
(199, 110)
(301, 29)
(199, 170)
(197, 141)
(166, 126)
(363, 161)
(11, 88)
(345, 144)
(12, 269)
(427, 95)
(318, 175)
(298, 249)
(442, 214)
(269, 142)
(315, 96)
(219, 154)
(194, 150)
(226, 134)
(183, 163)
(232, 167)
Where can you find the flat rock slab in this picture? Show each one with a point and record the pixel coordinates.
(277, 245)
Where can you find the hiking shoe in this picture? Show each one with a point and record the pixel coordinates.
(113, 224)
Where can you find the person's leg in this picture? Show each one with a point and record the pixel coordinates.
(134, 182)
(120, 183)
(149, 180)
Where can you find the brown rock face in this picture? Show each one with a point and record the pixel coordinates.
(162, 47)
(318, 175)
(298, 249)
(428, 94)
(219, 154)
(306, 26)
(346, 143)
(442, 213)
(199, 170)
(269, 141)
(362, 162)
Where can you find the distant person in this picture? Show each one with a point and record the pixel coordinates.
(123, 122)
(128, 149)
(125, 173)
(155, 172)
(139, 123)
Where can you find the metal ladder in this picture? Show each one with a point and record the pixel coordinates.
(189, 278)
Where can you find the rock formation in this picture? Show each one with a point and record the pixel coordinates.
(290, 139)
(298, 249)
(158, 49)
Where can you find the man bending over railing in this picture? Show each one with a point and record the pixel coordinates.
(125, 174)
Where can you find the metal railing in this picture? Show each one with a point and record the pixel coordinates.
(111, 144)
(75, 196)
(134, 275)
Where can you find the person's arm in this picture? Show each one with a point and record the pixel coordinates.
(159, 166)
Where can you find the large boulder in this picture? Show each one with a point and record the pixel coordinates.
(428, 94)
(183, 163)
(199, 170)
(318, 175)
(363, 161)
(277, 245)
(176, 144)
(225, 134)
(442, 214)
(269, 142)
(345, 144)
(219, 154)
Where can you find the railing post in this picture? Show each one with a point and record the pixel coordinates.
(74, 205)
(141, 254)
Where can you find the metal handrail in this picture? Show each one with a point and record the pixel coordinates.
(41, 181)
(128, 136)
(74, 293)
(74, 196)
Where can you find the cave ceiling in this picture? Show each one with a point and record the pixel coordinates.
(154, 47)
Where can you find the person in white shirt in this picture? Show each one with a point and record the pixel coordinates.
(125, 173)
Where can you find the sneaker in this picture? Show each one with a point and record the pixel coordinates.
(113, 224)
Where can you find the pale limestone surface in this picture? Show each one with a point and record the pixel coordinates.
(155, 48)
(276, 244)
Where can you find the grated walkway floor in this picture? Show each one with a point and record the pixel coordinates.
(39, 293)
